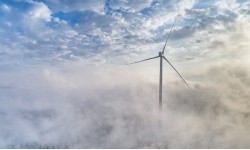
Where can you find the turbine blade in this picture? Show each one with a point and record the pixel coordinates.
(169, 34)
(143, 60)
(176, 71)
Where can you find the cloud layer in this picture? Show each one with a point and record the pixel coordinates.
(113, 30)
(111, 108)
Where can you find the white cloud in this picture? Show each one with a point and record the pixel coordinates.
(6, 8)
(105, 106)
(223, 5)
(79, 106)
(39, 12)
(134, 6)
(108, 38)
(77, 5)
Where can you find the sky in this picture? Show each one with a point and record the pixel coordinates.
(64, 82)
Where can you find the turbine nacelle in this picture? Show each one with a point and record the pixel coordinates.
(160, 54)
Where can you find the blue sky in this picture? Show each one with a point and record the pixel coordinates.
(43, 31)
(64, 82)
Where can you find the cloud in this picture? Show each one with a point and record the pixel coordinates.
(5, 8)
(43, 30)
(39, 12)
(134, 6)
(106, 107)
(48, 104)
(77, 5)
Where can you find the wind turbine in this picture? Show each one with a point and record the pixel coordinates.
(161, 56)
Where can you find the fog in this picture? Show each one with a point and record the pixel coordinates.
(78, 106)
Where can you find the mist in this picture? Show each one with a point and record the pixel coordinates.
(79, 106)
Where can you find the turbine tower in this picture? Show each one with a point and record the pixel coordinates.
(161, 56)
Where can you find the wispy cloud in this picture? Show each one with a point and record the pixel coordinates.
(112, 27)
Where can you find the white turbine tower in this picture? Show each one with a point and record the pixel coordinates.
(161, 56)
